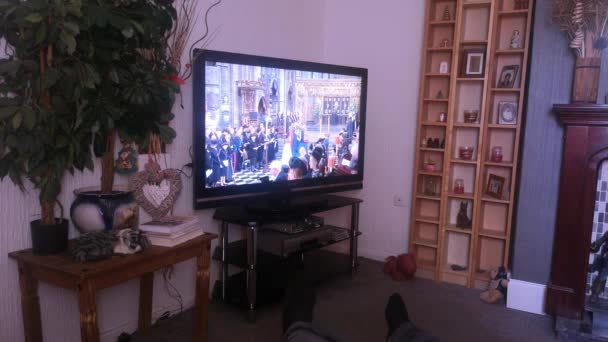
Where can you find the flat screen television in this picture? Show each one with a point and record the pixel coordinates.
(275, 128)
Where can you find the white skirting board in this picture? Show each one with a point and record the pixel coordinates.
(526, 296)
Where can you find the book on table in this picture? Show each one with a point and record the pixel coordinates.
(170, 241)
(170, 225)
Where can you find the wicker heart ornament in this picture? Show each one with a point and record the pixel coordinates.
(156, 190)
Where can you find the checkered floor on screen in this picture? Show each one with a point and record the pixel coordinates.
(248, 177)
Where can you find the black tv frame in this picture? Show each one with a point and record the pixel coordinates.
(205, 198)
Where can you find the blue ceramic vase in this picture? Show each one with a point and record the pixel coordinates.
(94, 211)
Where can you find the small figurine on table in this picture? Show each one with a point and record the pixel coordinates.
(600, 265)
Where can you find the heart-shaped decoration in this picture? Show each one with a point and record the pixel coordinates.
(156, 190)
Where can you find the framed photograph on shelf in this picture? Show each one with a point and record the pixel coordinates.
(507, 113)
(495, 186)
(473, 62)
(508, 76)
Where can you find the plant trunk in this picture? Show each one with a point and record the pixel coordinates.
(47, 212)
(107, 163)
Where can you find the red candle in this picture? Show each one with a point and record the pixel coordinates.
(496, 156)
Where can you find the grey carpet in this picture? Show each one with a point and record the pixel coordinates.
(352, 310)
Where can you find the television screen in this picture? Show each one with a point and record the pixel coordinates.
(265, 124)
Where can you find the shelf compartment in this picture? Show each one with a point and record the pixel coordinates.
(499, 102)
(437, 9)
(475, 21)
(431, 111)
(499, 63)
(486, 198)
(468, 97)
(465, 172)
(432, 132)
(491, 253)
(500, 138)
(438, 33)
(494, 219)
(427, 210)
(506, 26)
(465, 137)
(426, 261)
(453, 208)
(508, 5)
(437, 157)
(457, 249)
(436, 85)
(434, 60)
(506, 188)
(426, 234)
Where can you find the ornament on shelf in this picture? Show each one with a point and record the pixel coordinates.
(430, 143)
(126, 163)
(459, 186)
(430, 186)
(496, 156)
(443, 116)
(465, 152)
(424, 143)
(442, 145)
(437, 143)
(446, 14)
(470, 116)
(443, 67)
(463, 220)
(515, 40)
(445, 43)
(429, 166)
(440, 95)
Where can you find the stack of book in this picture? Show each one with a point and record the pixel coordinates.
(172, 230)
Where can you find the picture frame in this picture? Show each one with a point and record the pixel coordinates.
(508, 75)
(473, 62)
(495, 186)
(507, 113)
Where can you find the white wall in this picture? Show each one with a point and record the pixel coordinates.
(386, 39)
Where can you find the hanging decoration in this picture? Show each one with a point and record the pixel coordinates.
(126, 163)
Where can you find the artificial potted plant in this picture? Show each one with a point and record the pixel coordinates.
(43, 129)
(586, 25)
(132, 101)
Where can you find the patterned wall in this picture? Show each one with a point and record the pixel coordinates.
(600, 218)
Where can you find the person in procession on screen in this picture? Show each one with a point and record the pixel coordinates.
(275, 170)
(316, 162)
(297, 169)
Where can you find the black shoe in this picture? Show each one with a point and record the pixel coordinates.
(395, 313)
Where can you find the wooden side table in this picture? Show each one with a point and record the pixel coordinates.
(89, 277)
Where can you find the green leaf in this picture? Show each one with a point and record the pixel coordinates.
(40, 34)
(114, 76)
(7, 112)
(33, 17)
(71, 28)
(137, 26)
(69, 41)
(49, 78)
(17, 120)
(29, 117)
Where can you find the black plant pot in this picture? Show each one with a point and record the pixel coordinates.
(49, 238)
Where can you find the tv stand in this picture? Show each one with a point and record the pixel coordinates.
(247, 255)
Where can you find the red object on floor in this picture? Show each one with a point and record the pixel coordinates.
(400, 268)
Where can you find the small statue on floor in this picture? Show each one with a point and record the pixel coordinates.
(463, 220)
(498, 285)
(600, 265)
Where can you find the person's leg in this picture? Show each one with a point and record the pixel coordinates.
(400, 328)
(298, 310)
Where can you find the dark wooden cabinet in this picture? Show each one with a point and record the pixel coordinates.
(585, 148)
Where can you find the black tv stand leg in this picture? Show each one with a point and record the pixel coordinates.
(354, 232)
(224, 269)
(252, 252)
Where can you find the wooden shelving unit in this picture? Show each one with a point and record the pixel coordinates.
(443, 249)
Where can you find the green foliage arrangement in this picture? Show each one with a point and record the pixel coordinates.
(78, 68)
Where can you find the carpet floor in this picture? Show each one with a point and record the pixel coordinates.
(352, 310)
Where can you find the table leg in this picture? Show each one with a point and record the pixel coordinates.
(30, 305)
(146, 288)
(224, 269)
(201, 306)
(88, 312)
(354, 230)
(252, 251)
